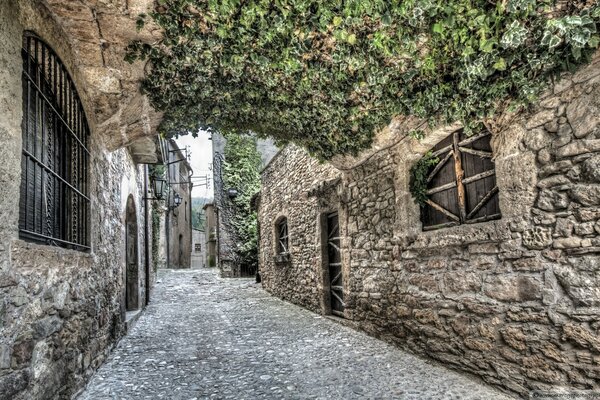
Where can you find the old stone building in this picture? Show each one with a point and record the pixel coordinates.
(227, 238)
(75, 136)
(498, 275)
(177, 232)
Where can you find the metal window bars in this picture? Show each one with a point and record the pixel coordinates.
(282, 246)
(54, 204)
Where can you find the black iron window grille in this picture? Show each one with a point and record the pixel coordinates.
(54, 204)
(282, 237)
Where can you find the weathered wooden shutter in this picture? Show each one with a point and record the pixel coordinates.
(462, 186)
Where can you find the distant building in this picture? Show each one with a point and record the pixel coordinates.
(226, 237)
(176, 222)
(198, 248)
(210, 235)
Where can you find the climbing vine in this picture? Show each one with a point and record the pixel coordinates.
(241, 171)
(418, 177)
(327, 74)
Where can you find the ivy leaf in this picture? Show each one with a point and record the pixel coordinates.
(500, 65)
(351, 39)
(438, 28)
(515, 36)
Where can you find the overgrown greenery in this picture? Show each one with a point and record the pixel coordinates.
(241, 171)
(418, 177)
(327, 74)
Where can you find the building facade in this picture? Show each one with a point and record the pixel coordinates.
(198, 249)
(178, 209)
(75, 136)
(496, 275)
(210, 228)
(226, 236)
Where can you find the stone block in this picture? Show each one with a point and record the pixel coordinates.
(584, 115)
(591, 169)
(22, 351)
(13, 383)
(514, 337)
(46, 327)
(513, 288)
(587, 195)
(537, 238)
(587, 214)
(540, 118)
(582, 336)
(567, 243)
(462, 282)
(579, 147)
(537, 139)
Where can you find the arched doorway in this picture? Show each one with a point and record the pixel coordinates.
(180, 255)
(132, 281)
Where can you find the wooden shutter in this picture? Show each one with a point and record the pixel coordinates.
(462, 186)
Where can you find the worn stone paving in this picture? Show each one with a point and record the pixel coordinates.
(203, 337)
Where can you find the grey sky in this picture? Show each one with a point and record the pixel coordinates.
(201, 160)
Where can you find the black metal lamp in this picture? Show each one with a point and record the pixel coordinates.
(176, 201)
(158, 186)
(232, 193)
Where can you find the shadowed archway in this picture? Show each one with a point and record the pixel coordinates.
(132, 281)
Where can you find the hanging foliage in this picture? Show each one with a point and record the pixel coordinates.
(241, 171)
(418, 177)
(327, 74)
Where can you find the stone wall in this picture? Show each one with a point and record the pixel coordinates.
(227, 237)
(179, 219)
(61, 311)
(515, 301)
(286, 183)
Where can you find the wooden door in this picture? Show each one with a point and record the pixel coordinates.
(334, 264)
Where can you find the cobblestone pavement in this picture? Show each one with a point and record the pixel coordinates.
(205, 337)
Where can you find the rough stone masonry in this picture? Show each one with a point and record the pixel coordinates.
(515, 301)
(62, 310)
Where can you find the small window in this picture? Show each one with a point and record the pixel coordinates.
(198, 247)
(282, 237)
(462, 186)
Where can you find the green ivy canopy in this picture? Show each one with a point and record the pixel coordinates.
(328, 74)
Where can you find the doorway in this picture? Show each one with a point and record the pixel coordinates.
(334, 265)
(132, 285)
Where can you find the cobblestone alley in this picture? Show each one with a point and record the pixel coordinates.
(206, 337)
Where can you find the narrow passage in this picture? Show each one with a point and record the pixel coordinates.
(205, 337)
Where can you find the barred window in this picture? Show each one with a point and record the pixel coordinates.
(282, 237)
(54, 203)
(462, 186)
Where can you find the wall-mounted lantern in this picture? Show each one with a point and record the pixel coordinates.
(158, 186)
(176, 201)
(232, 193)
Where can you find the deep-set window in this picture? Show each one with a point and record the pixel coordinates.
(198, 247)
(282, 237)
(462, 186)
(54, 201)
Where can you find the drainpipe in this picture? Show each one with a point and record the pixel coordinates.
(146, 236)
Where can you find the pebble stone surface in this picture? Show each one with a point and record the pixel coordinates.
(203, 337)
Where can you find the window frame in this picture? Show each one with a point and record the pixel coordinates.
(458, 151)
(55, 158)
(282, 236)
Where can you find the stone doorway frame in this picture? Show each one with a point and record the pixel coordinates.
(131, 287)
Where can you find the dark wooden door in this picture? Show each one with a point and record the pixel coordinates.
(334, 261)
